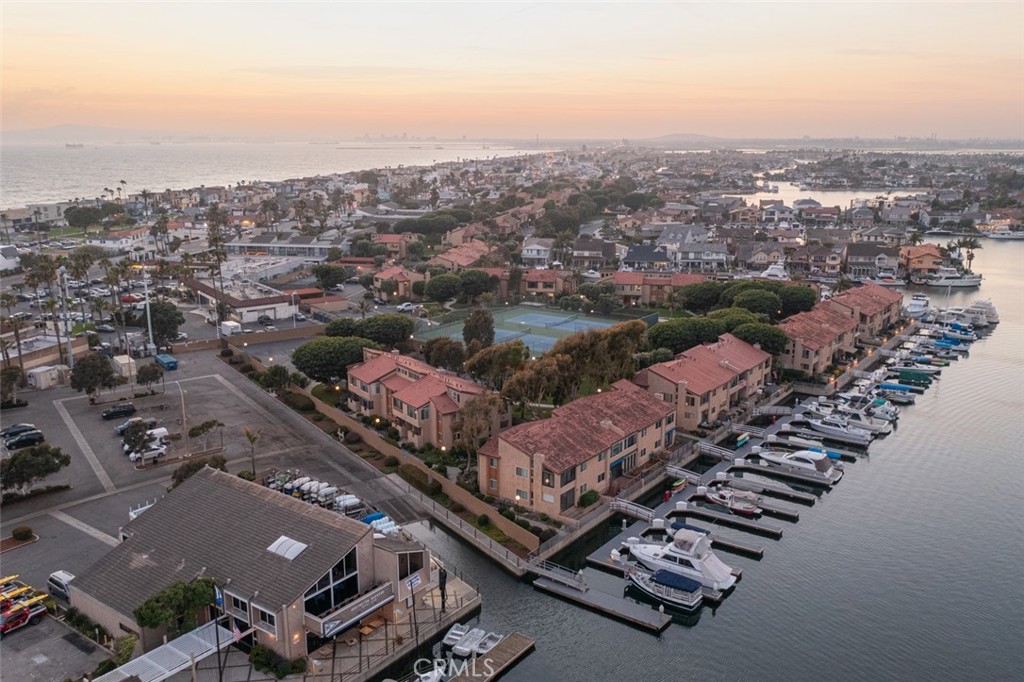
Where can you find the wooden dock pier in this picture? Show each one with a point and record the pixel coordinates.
(615, 607)
(691, 509)
(498, 660)
(774, 490)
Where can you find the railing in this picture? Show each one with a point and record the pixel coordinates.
(753, 431)
(680, 473)
(772, 410)
(559, 574)
(332, 622)
(706, 448)
(632, 509)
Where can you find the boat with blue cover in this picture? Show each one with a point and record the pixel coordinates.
(667, 587)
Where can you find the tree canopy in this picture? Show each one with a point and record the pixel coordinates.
(149, 373)
(25, 467)
(176, 606)
(496, 363)
(474, 283)
(443, 288)
(166, 319)
(480, 326)
(730, 318)
(328, 356)
(682, 334)
(772, 339)
(186, 470)
(796, 298)
(760, 301)
(93, 373)
(328, 276)
(445, 353)
(702, 296)
(389, 329)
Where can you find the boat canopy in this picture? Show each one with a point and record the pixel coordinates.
(675, 581)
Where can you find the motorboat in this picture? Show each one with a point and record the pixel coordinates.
(489, 641)
(951, 277)
(793, 442)
(776, 271)
(873, 404)
(897, 397)
(837, 428)
(915, 366)
(802, 461)
(688, 554)
(886, 278)
(592, 275)
(668, 587)
(739, 502)
(1006, 233)
(455, 633)
(861, 420)
(435, 674)
(985, 307)
(469, 642)
(917, 307)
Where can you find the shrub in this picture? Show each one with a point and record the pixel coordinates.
(22, 533)
(488, 499)
(104, 667)
(236, 360)
(300, 380)
(588, 498)
(352, 438)
(434, 488)
(390, 461)
(483, 521)
(247, 475)
(508, 514)
(546, 534)
(299, 402)
(536, 530)
(457, 508)
(247, 368)
(226, 353)
(523, 523)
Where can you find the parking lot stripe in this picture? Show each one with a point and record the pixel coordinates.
(85, 528)
(90, 456)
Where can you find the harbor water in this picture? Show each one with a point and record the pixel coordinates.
(909, 569)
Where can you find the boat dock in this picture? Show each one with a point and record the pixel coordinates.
(688, 509)
(642, 616)
(782, 473)
(772, 489)
(503, 656)
(845, 455)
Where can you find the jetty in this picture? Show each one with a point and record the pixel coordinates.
(641, 616)
(506, 653)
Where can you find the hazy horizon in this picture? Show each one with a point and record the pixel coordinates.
(756, 70)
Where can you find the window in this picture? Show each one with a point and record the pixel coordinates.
(547, 479)
(568, 476)
(410, 410)
(239, 605)
(631, 441)
(265, 620)
(568, 499)
(600, 477)
(409, 563)
(643, 432)
(522, 473)
(492, 484)
(583, 467)
(669, 419)
(522, 495)
(657, 444)
(335, 587)
(583, 488)
(643, 452)
(425, 412)
(617, 448)
(601, 456)
(492, 462)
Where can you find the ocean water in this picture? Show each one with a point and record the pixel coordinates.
(44, 173)
(909, 569)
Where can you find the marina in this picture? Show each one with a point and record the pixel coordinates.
(505, 654)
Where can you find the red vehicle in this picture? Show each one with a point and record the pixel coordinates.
(129, 299)
(28, 612)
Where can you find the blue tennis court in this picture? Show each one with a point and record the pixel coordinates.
(581, 325)
(539, 319)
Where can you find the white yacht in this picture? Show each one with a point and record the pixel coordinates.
(802, 461)
(917, 307)
(688, 554)
(984, 307)
(886, 278)
(1006, 233)
(776, 271)
(951, 277)
(911, 365)
(837, 428)
(861, 420)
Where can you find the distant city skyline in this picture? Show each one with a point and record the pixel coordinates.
(519, 70)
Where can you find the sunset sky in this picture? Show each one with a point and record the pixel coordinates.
(567, 70)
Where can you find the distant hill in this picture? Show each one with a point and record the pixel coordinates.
(685, 137)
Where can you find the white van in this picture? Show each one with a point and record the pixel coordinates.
(58, 583)
(157, 436)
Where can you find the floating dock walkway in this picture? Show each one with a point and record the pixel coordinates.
(503, 656)
(687, 509)
(642, 616)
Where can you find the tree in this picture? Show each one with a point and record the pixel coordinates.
(203, 430)
(475, 419)
(93, 373)
(366, 281)
(389, 287)
(419, 287)
(148, 374)
(137, 437)
(81, 217)
(8, 302)
(682, 334)
(702, 296)
(494, 364)
(443, 288)
(480, 326)
(772, 339)
(759, 301)
(730, 318)
(389, 329)
(445, 353)
(364, 306)
(653, 357)
(186, 470)
(10, 378)
(342, 326)
(166, 318)
(176, 606)
(796, 299)
(329, 276)
(275, 379)
(968, 245)
(253, 436)
(474, 283)
(23, 468)
(328, 356)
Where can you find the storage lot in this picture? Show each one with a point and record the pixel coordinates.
(48, 652)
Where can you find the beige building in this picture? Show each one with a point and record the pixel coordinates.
(817, 338)
(874, 307)
(706, 382)
(293, 575)
(587, 444)
(421, 401)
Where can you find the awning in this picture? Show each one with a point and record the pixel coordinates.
(173, 657)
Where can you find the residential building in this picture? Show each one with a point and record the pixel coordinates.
(874, 307)
(759, 255)
(777, 213)
(862, 217)
(421, 401)
(536, 252)
(293, 575)
(645, 257)
(707, 381)
(462, 257)
(549, 283)
(585, 445)
(818, 338)
(403, 277)
(284, 244)
(398, 244)
(864, 260)
(592, 254)
(10, 259)
(925, 259)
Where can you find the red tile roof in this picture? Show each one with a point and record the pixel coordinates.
(628, 278)
(420, 377)
(419, 393)
(581, 429)
(373, 370)
(396, 382)
(818, 328)
(681, 279)
(869, 299)
(444, 404)
(543, 275)
(711, 366)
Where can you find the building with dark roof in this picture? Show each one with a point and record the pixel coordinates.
(585, 445)
(293, 575)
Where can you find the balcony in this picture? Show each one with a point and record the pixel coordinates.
(349, 613)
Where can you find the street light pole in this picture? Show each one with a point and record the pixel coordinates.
(294, 310)
(64, 306)
(184, 418)
(149, 319)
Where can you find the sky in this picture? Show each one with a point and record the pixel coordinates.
(518, 69)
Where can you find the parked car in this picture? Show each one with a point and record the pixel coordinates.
(299, 317)
(406, 307)
(153, 451)
(182, 336)
(16, 429)
(119, 410)
(265, 319)
(105, 328)
(270, 328)
(150, 422)
(25, 440)
(58, 582)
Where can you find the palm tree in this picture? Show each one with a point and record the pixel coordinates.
(915, 238)
(7, 231)
(8, 302)
(53, 308)
(968, 244)
(145, 194)
(364, 307)
(125, 186)
(80, 263)
(253, 437)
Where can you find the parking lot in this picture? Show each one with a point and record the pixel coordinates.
(48, 652)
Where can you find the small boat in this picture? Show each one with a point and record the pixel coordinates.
(689, 554)
(739, 502)
(591, 275)
(455, 633)
(668, 587)
(469, 642)
(861, 420)
(1006, 233)
(837, 428)
(917, 307)
(776, 271)
(886, 278)
(915, 366)
(792, 442)
(489, 641)
(897, 397)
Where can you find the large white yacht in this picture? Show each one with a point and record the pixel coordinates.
(688, 554)
(984, 307)
(951, 277)
(837, 428)
(803, 461)
(776, 271)
(918, 306)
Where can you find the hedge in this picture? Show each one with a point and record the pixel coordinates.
(297, 401)
(22, 533)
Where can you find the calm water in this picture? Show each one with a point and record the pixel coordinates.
(908, 570)
(42, 173)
